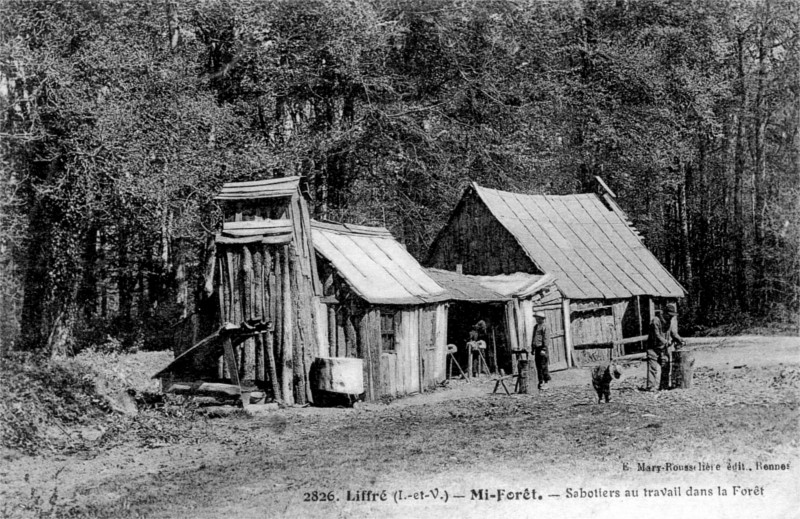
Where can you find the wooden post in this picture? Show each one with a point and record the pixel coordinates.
(639, 313)
(494, 353)
(260, 366)
(273, 372)
(233, 368)
(418, 313)
(682, 369)
(287, 349)
(334, 348)
(568, 332)
(523, 376)
(469, 360)
(366, 351)
(511, 335)
(297, 324)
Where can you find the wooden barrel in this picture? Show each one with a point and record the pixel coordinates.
(337, 380)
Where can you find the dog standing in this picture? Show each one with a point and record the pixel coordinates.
(601, 380)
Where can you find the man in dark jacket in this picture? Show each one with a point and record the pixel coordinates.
(658, 354)
(672, 332)
(539, 348)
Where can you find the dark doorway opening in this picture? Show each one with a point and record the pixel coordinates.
(462, 316)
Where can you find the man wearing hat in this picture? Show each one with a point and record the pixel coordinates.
(539, 343)
(672, 319)
(663, 334)
(657, 353)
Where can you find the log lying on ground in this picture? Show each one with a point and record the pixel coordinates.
(223, 411)
(214, 389)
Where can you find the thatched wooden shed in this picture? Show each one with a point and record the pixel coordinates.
(606, 278)
(260, 328)
(381, 306)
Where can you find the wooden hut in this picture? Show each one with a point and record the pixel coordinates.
(381, 306)
(260, 330)
(606, 279)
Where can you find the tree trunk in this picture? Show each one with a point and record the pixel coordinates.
(760, 170)
(682, 369)
(683, 217)
(173, 25)
(523, 376)
(740, 229)
(60, 340)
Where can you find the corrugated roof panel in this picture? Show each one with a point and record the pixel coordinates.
(385, 253)
(380, 282)
(591, 251)
(601, 262)
(609, 241)
(509, 284)
(621, 239)
(346, 268)
(377, 267)
(464, 288)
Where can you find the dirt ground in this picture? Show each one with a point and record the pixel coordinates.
(461, 451)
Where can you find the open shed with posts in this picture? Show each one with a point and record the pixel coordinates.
(607, 280)
(505, 303)
(259, 332)
(381, 306)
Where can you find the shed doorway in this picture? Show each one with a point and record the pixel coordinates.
(462, 316)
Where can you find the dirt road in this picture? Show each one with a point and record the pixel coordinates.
(734, 432)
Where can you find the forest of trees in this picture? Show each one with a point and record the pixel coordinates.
(121, 120)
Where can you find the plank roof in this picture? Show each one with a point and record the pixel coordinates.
(461, 287)
(375, 265)
(255, 231)
(518, 284)
(270, 188)
(589, 248)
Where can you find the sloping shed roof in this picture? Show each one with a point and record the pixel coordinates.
(375, 266)
(461, 287)
(518, 284)
(272, 188)
(590, 250)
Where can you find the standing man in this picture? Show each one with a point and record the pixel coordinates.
(672, 320)
(674, 339)
(539, 348)
(657, 354)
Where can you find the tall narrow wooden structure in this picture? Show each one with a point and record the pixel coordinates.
(266, 292)
(266, 271)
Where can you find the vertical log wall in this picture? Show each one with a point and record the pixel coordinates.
(265, 282)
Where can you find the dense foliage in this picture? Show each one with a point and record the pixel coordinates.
(121, 119)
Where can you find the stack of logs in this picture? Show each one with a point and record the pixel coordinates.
(269, 282)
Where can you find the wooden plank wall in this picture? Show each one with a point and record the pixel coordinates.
(597, 324)
(322, 328)
(552, 309)
(418, 330)
(432, 344)
(477, 241)
(440, 344)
